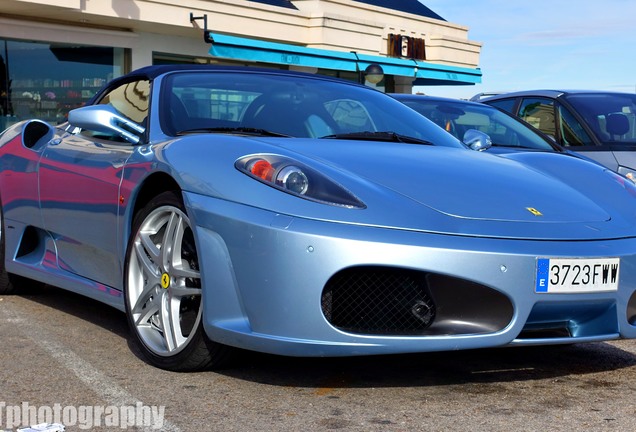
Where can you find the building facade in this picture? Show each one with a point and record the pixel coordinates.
(55, 54)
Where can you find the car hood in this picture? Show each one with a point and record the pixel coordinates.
(473, 185)
(518, 194)
(446, 190)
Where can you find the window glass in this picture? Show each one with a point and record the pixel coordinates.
(287, 104)
(458, 117)
(611, 116)
(539, 112)
(504, 104)
(572, 132)
(46, 80)
(202, 105)
(318, 127)
(349, 115)
(131, 100)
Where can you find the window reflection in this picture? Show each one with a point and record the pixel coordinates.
(131, 100)
(46, 80)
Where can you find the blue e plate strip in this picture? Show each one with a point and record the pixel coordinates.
(543, 272)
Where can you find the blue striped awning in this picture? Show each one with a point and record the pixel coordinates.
(254, 50)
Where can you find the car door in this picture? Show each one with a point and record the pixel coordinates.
(611, 119)
(556, 120)
(574, 135)
(79, 181)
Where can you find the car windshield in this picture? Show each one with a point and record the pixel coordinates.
(611, 116)
(457, 117)
(296, 106)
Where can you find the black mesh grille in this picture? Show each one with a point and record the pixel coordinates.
(373, 300)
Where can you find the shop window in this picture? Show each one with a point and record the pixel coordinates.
(46, 80)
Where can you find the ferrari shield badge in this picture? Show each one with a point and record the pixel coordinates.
(165, 281)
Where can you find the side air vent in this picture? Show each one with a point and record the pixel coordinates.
(34, 131)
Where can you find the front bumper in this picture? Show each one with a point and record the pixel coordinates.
(265, 274)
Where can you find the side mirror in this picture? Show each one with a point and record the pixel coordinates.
(104, 118)
(477, 140)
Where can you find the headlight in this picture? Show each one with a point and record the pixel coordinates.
(296, 179)
(293, 179)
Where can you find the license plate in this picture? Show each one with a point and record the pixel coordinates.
(577, 275)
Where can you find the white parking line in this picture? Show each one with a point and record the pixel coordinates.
(110, 392)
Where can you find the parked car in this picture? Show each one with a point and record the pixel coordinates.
(505, 131)
(302, 215)
(601, 125)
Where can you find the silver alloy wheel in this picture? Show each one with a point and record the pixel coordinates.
(164, 283)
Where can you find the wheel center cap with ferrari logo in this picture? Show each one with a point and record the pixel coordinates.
(165, 281)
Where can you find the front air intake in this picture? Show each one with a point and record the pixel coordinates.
(374, 300)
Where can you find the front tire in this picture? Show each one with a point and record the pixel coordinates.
(163, 289)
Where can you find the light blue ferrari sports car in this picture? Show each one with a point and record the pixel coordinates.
(296, 214)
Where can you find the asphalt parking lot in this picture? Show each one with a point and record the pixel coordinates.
(60, 348)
